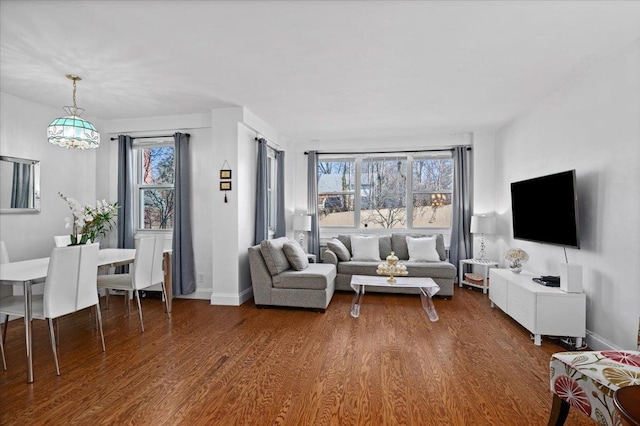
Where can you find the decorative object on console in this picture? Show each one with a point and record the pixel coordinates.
(72, 131)
(516, 258)
(89, 223)
(483, 224)
(392, 268)
(302, 223)
(571, 277)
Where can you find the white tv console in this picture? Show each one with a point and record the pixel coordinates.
(541, 310)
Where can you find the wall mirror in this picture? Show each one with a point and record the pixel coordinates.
(19, 185)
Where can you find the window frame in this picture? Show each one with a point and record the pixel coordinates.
(410, 158)
(138, 147)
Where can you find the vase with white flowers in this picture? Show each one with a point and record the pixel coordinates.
(88, 223)
(516, 258)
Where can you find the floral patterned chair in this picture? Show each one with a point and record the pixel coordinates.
(586, 381)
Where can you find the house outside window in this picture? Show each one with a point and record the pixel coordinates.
(399, 191)
(155, 171)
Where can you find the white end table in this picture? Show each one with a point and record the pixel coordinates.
(486, 264)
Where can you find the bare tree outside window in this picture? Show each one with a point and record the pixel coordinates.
(432, 188)
(156, 187)
(384, 194)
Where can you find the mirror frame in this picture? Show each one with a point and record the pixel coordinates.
(36, 185)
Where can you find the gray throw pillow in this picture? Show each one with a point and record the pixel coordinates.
(296, 256)
(274, 257)
(339, 249)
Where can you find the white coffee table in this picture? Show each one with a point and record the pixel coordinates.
(427, 287)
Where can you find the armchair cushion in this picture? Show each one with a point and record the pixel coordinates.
(274, 257)
(295, 255)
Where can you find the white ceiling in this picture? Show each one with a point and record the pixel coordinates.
(313, 70)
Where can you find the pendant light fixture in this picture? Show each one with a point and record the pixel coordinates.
(73, 131)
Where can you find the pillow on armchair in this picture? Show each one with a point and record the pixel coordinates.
(295, 255)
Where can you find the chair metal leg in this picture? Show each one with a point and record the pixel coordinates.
(139, 310)
(559, 411)
(6, 324)
(99, 316)
(52, 337)
(166, 300)
(4, 361)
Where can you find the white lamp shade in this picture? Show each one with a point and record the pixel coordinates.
(483, 224)
(302, 222)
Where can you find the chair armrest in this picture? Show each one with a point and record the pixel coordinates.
(330, 257)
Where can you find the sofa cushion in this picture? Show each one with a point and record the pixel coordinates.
(365, 247)
(274, 257)
(422, 249)
(346, 240)
(385, 246)
(399, 245)
(336, 246)
(316, 276)
(416, 269)
(295, 255)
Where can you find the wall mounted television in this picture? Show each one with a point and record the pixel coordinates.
(545, 209)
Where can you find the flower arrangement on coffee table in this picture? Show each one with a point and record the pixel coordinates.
(392, 268)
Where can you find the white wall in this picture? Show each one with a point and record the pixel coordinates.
(203, 179)
(592, 124)
(23, 126)
(484, 201)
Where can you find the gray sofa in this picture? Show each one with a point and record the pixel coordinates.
(276, 282)
(442, 272)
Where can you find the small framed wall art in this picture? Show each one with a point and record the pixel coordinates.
(225, 174)
(225, 186)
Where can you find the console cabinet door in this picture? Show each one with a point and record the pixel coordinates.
(498, 290)
(522, 307)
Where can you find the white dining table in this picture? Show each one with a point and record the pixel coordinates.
(29, 272)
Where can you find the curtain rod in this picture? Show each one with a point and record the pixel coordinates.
(386, 152)
(151, 137)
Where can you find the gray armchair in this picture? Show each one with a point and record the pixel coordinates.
(278, 284)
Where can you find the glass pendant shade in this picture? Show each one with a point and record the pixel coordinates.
(72, 131)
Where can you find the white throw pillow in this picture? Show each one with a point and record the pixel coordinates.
(422, 249)
(365, 248)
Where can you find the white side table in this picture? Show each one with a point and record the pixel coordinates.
(486, 264)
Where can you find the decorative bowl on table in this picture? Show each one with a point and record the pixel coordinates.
(392, 268)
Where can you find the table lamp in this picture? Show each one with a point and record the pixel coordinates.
(302, 223)
(483, 224)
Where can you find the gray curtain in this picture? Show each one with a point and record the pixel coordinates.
(460, 246)
(312, 202)
(262, 225)
(21, 190)
(281, 227)
(183, 270)
(125, 192)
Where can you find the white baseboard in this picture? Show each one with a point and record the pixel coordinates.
(599, 343)
(198, 294)
(231, 299)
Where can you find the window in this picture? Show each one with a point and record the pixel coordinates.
(154, 188)
(371, 191)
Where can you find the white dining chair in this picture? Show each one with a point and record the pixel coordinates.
(145, 272)
(70, 286)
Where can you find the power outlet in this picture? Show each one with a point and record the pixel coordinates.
(200, 278)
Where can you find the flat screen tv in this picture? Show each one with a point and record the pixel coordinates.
(545, 209)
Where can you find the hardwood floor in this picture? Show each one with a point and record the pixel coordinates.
(214, 365)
